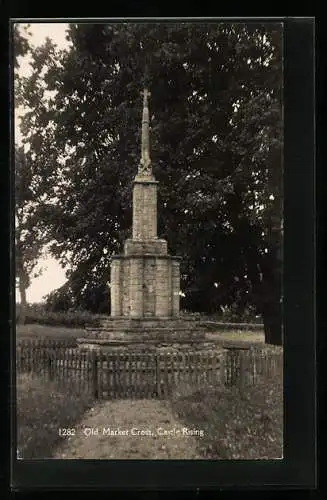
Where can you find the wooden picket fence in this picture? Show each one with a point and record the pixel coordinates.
(244, 366)
(127, 374)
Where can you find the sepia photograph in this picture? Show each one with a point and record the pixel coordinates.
(148, 211)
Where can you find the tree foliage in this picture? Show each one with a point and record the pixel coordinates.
(216, 147)
(21, 45)
(30, 191)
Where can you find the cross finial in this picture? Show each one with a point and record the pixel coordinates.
(145, 93)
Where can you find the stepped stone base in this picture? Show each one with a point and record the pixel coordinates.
(146, 332)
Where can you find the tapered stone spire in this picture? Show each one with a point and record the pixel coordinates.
(145, 163)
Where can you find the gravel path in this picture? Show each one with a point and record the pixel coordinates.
(131, 429)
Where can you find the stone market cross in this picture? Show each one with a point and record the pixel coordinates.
(145, 279)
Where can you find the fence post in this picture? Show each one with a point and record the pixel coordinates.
(157, 374)
(230, 366)
(222, 368)
(235, 365)
(50, 367)
(95, 386)
(242, 369)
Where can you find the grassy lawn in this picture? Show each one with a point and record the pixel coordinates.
(44, 331)
(237, 423)
(42, 409)
(238, 337)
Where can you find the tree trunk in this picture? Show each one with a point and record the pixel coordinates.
(272, 321)
(23, 301)
(271, 299)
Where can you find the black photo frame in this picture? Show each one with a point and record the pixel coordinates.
(298, 468)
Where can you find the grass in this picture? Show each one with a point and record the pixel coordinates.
(238, 337)
(42, 409)
(237, 423)
(45, 331)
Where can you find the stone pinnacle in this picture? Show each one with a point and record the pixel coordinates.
(145, 163)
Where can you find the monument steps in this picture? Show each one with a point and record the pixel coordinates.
(148, 343)
(145, 332)
(115, 331)
(180, 328)
(149, 322)
(138, 335)
(145, 339)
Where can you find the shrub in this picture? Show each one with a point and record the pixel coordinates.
(41, 410)
(60, 299)
(229, 314)
(37, 313)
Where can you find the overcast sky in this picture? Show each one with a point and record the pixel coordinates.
(54, 276)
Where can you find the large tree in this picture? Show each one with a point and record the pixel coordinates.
(216, 147)
(31, 186)
(21, 48)
(28, 240)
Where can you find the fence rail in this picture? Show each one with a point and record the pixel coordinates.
(142, 374)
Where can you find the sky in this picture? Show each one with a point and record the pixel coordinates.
(53, 276)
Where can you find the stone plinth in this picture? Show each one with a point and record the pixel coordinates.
(144, 285)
